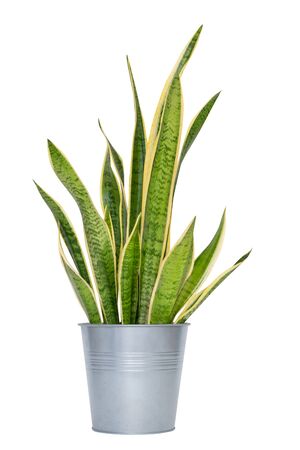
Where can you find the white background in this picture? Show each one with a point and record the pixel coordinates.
(63, 66)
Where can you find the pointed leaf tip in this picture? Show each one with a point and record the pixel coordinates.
(244, 257)
(199, 297)
(50, 143)
(100, 126)
(52, 149)
(193, 222)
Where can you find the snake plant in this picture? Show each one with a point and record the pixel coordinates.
(133, 275)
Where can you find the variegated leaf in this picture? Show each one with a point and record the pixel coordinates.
(68, 234)
(115, 155)
(129, 276)
(196, 125)
(137, 160)
(173, 271)
(193, 131)
(176, 72)
(118, 163)
(202, 267)
(198, 297)
(83, 291)
(99, 243)
(108, 221)
(123, 213)
(160, 193)
(111, 200)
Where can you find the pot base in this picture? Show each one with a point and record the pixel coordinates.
(131, 434)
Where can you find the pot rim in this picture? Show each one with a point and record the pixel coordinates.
(133, 325)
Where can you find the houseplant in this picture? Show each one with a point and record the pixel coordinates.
(139, 292)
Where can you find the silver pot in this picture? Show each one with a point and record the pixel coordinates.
(133, 374)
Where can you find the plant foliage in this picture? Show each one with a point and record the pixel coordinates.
(134, 276)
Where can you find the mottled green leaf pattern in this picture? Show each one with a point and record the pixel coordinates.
(159, 197)
(118, 163)
(68, 234)
(156, 123)
(97, 235)
(177, 71)
(137, 161)
(136, 276)
(172, 274)
(111, 200)
(107, 220)
(192, 133)
(82, 290)
(129, 276)
(186, 53)
(123, 214)
(198, 298)
(202, 266)
(115, 155)
(196, 125)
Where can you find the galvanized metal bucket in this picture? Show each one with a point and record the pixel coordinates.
(133, 374)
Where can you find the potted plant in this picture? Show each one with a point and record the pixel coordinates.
(139, 292)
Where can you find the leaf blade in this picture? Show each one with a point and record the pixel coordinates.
(129, 275)
(176, 72)
(108, 221)
(115, 155)
(111, 201)
(82, 290)
(172, 274)
(199, 297)
(99, 243)
(159, 196)
(196, 126)
(193, 131)
(137, 159)
(118, 164)
(202, 266)
(67, 232)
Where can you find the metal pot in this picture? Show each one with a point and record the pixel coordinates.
(133, 374)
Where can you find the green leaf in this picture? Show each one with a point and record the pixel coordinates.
(99, 243)
(68, 233)
(159, 197)
(186, 53)
(192, 133)
(82, 290)
(202, 267)
(123, 213)
(137, 160)
(129, 276)
(176, 72)
(172, 274)
(196, 125)
(198, 297)
(115, 155)
(111, 200)
(118, 163)
(108, 221)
